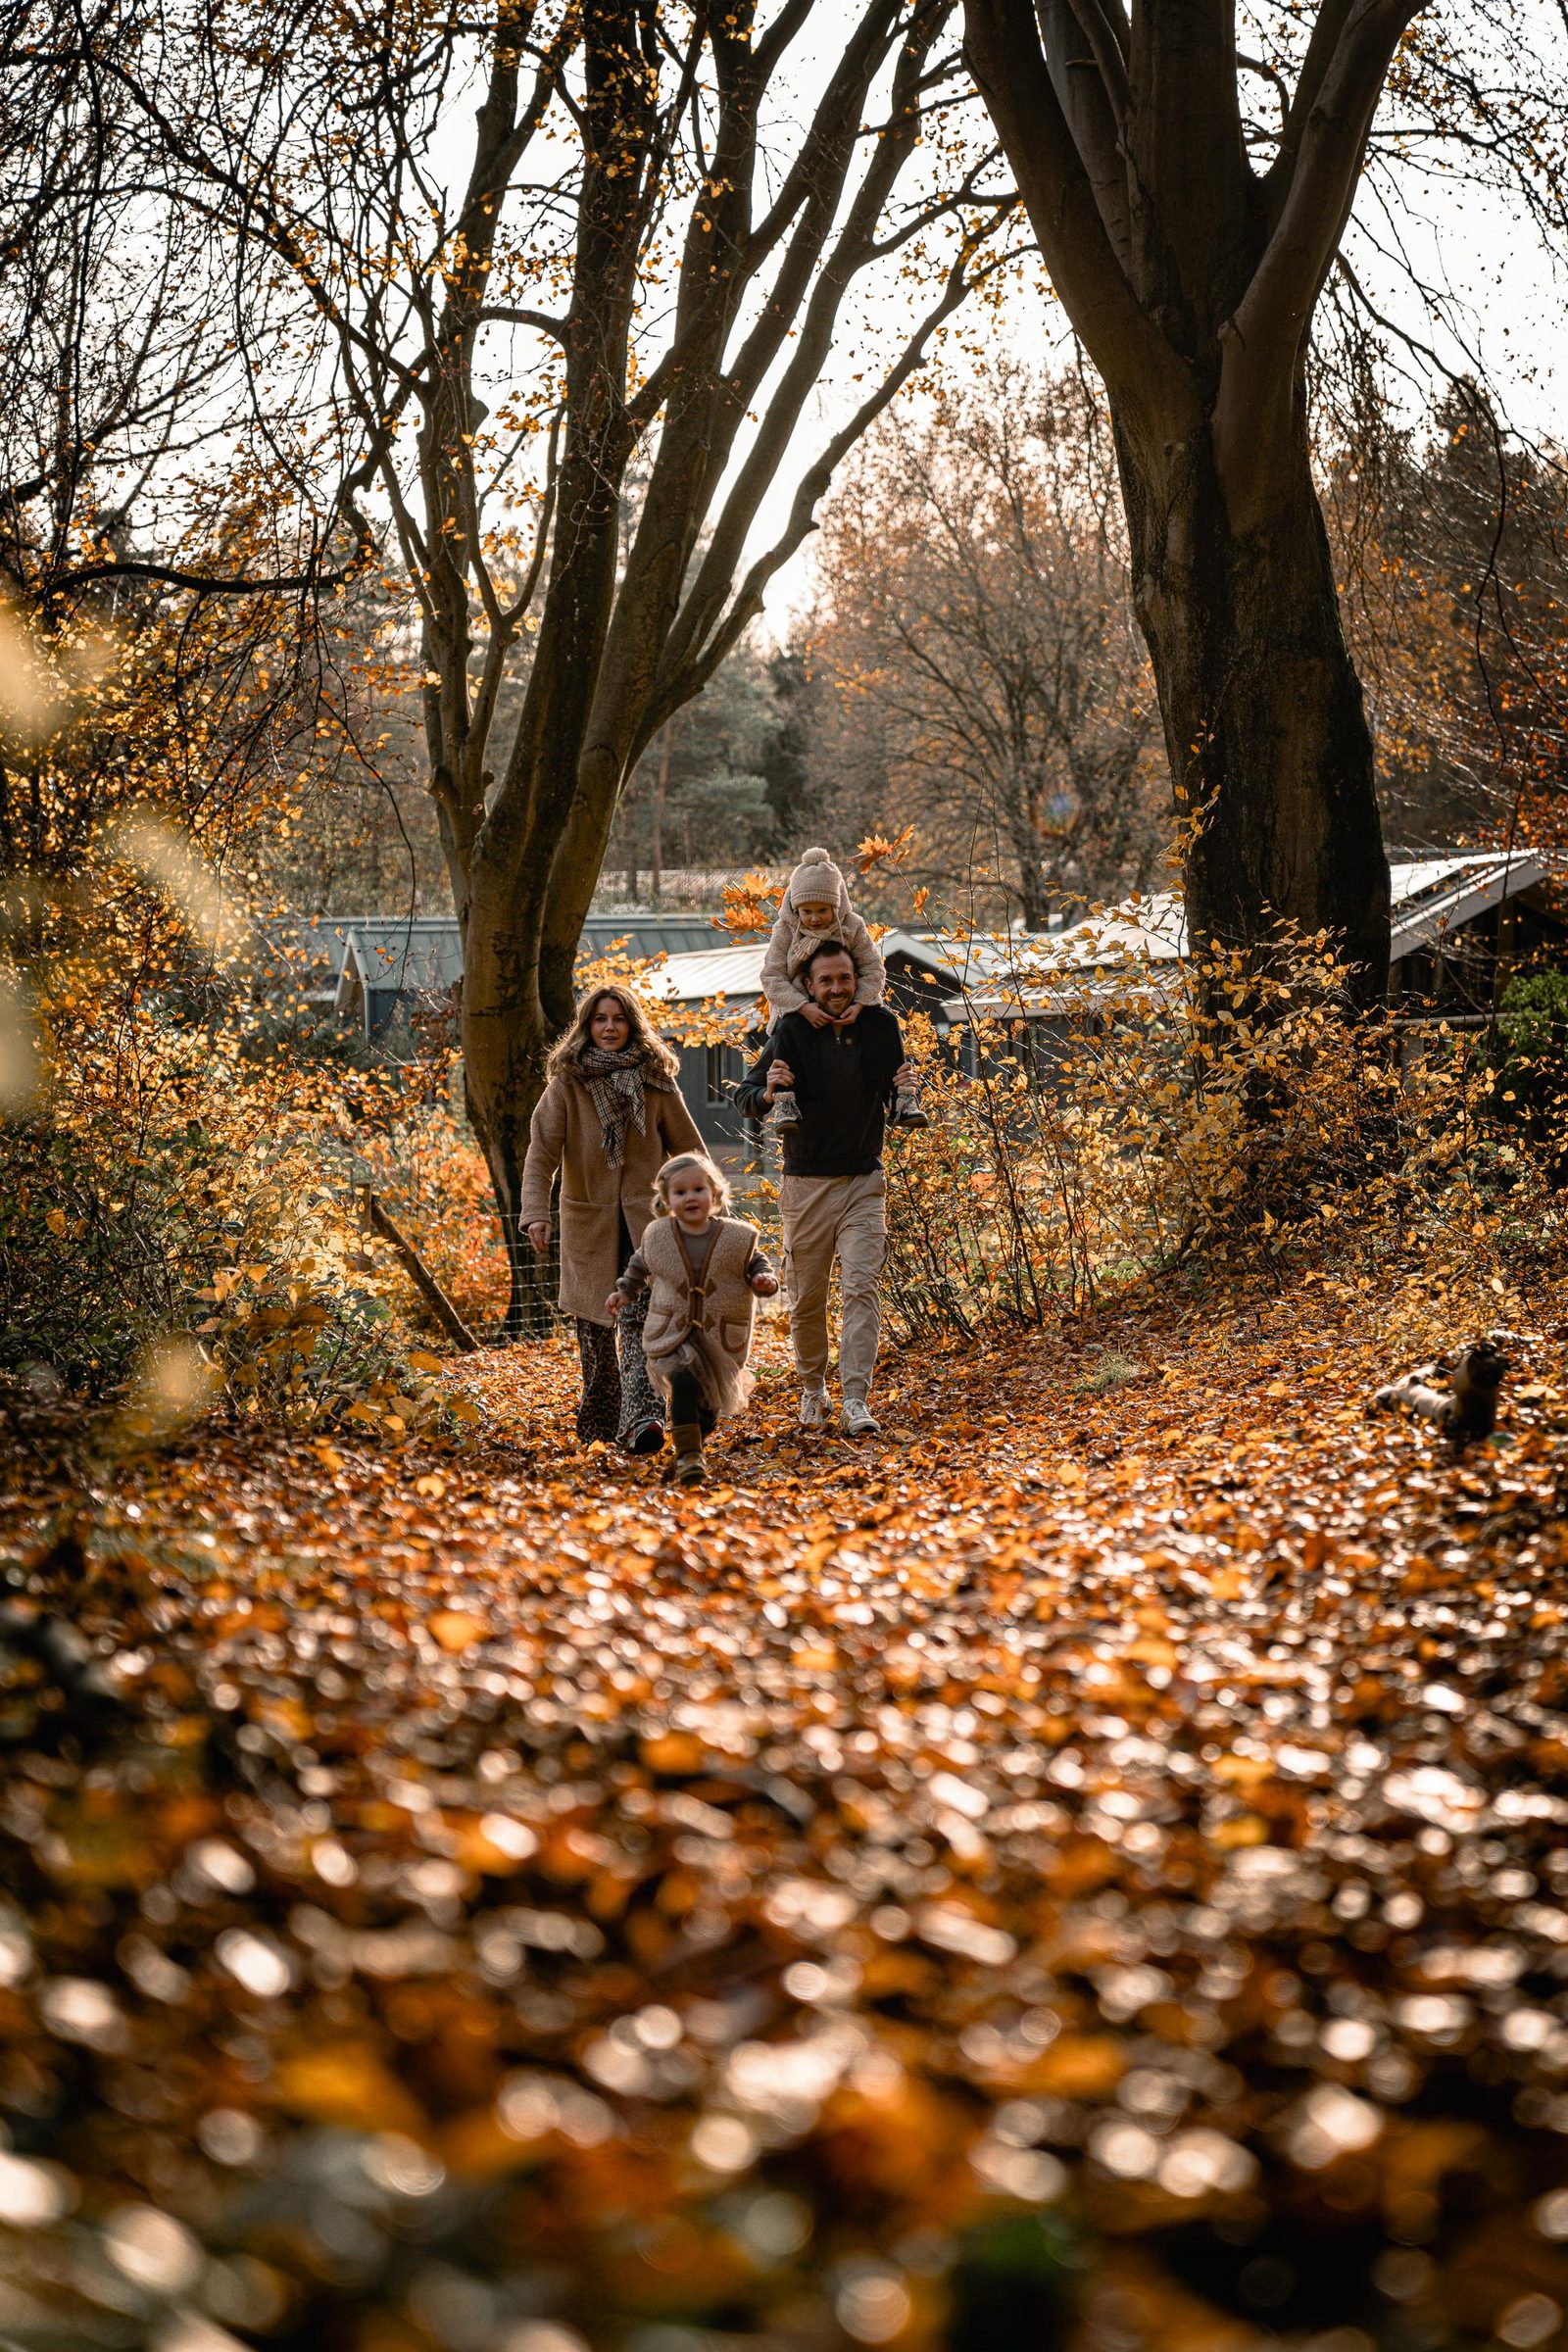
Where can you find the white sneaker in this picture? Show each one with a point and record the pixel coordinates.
(858, 1419)
(813, 1408)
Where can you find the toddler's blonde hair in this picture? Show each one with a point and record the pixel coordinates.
(691, 1159)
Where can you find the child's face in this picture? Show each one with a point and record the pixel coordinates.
(815, 919)
(691, 1198)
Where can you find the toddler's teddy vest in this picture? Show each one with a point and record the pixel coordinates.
(722, 1304)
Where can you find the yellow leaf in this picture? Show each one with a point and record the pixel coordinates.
(348, 2087)
(458, 1630)
(1248, 1828)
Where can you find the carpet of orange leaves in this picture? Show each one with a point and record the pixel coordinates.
(1084, 1869)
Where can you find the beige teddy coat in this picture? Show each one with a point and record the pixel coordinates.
(817, 881)
(594, 1195)
(715, 1318)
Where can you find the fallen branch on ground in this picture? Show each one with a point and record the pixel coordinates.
(1467, 1407)
(375, 1222)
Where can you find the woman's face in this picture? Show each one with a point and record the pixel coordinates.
(609, 1026)
(691, 1198)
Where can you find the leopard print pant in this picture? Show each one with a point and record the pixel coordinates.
(617, 1393)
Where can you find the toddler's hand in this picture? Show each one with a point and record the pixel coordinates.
(816, 1017)
(846, 1020)
(615, 1303)
(764, 1284)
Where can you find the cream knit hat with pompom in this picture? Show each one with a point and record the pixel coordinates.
(818, 882)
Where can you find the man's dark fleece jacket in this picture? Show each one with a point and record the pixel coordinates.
(842, 1085)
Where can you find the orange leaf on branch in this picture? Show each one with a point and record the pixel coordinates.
(878, 849)
(749, 905)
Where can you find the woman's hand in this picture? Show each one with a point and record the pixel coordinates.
(815, 1016)
(764, 1284)
(613, 1304)
(539, 1235)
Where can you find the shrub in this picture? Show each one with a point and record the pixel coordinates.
(1531, 1078)
(1157, 1112)
(178, 1186)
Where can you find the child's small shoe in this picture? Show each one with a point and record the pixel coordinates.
(786, 1110)
(907, 1113)
(690, 1469)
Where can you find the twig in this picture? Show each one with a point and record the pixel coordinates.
(375, 1220)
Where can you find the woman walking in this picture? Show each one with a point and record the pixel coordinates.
(609, 1116)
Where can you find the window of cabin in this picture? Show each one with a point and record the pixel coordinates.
(724, 1068)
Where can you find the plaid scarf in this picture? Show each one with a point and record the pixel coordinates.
(615, 1082)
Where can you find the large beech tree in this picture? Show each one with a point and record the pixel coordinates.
(523, 266)
(1189, 241)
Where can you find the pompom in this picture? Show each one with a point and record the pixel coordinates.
(816, 856)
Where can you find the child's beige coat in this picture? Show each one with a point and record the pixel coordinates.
(791, 942)
(703, 1327)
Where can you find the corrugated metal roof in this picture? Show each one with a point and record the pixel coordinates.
(715, 972)
(650, 934)
(419, 951)
(737, 972)
(1434, 896)
(1430, 897)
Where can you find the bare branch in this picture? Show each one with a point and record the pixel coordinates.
(1004, 54)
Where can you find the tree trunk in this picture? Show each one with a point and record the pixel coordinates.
(506, 1039)
(1034, 896)
(655, 853)
(1270, 752)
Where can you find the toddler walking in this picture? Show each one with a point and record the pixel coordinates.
(816, 907)
(704, 1272)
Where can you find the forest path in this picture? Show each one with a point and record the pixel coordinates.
(1127, 1797)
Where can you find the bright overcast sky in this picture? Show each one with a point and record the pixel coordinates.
(1506, 296)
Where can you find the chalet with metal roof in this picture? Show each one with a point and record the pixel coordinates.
(1452, 918)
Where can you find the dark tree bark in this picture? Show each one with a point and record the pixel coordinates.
(1192, 279)
(1265, 728)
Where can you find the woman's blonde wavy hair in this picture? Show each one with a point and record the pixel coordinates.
(664, 1062)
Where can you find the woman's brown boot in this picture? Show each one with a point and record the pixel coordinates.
(690, 1467)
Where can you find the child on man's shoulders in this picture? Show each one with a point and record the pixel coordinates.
(816, 909)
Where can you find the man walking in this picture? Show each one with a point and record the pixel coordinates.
(843, 1062)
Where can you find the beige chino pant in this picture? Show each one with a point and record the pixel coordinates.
(826, 1217)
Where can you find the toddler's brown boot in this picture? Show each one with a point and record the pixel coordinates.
(690, 1467)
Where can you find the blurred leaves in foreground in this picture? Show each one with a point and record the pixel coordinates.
(1087, 1869)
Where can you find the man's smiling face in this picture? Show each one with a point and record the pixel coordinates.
(831, 984)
